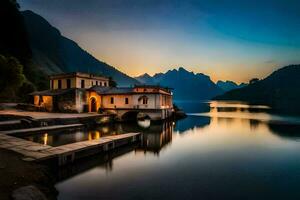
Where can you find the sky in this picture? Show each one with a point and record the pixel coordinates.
(225, 39)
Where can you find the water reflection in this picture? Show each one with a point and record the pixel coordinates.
(58, 138)
(225, 152)
(145, 123)
(156, 137)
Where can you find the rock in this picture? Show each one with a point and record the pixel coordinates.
(28, 193)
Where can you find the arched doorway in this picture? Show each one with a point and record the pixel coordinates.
(93, 103)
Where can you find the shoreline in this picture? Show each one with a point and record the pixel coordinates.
(16, 173)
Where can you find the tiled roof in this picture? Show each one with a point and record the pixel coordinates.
(112, 90)
(54, 92)
(78, 74)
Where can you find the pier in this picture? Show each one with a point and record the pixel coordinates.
(18, 123)
(42, 129)
(65, 154)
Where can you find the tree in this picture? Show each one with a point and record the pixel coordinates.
(112, 83)
(11, 76)
(254, 80)
(26, 88)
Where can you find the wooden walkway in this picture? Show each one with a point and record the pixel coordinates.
(41, 129)
(66, 153)
(10, 122)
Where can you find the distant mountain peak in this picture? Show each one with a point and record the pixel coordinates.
(145, 75)
(187, 85)
(229, 85)
(182, 69)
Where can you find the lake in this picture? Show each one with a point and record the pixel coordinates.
(222, 150)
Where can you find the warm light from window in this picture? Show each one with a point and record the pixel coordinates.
(45, 138)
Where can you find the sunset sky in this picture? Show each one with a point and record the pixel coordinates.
(225, 39)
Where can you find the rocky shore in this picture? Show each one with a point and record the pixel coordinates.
(24, 180)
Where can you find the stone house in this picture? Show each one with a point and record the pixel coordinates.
(81, 92)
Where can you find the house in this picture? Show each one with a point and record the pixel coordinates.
(82, 92)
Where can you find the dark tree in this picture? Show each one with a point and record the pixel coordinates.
(11, 77)
(254, 80)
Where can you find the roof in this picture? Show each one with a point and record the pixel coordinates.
(118, 90)
(151, 86)
(166, 89)
(55, 92)
(112, 90)
(78, 74)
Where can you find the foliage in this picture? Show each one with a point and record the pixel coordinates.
(254, 80)
(11, 76)
(26, 88)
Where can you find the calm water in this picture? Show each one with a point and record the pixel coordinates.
(221, 151)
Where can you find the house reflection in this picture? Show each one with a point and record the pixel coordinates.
(93, 135)
(156, 137)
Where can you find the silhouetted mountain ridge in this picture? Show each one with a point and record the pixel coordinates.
(54, 53)
(187, 85)
(280, 90)
(229, 85)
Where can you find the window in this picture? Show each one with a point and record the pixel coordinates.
(126, 100)
(105, 84)
(145, 100)
(100, 83)
(82, 83)
(52, 84)
(68, 83)
(96, 82)
(59, 84)
(111, 100)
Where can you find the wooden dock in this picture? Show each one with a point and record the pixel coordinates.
(42, 129)
(65, 154)
(40, 122)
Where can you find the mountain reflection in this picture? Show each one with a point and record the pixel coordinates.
(234, 141)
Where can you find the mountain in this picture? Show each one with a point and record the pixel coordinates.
(146, 79)
(54, 53)
(18, 75)
(187, 85)
(279, 90)
(13, 35)
(229, 85)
